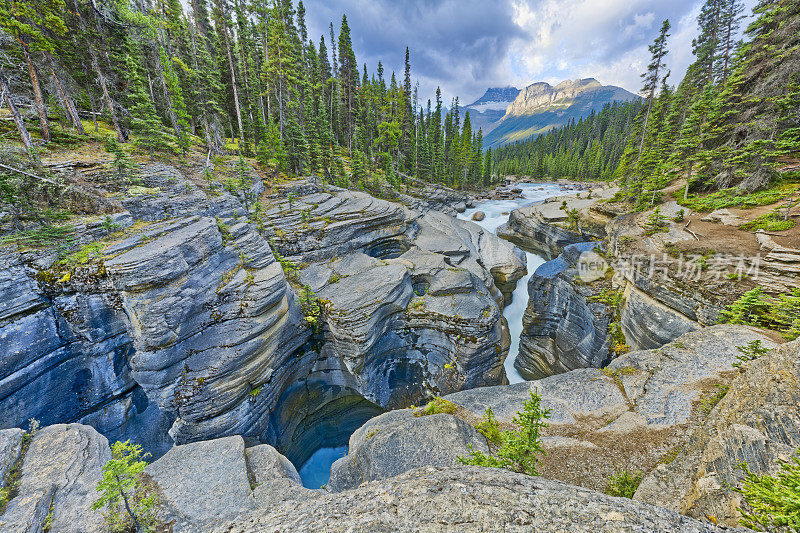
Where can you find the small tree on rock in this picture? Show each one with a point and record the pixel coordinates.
(127, 501)
(519, 448)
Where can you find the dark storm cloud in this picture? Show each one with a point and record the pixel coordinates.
(461, 45)
(467, 46)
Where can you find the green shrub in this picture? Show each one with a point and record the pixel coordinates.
(623, 484)
(773, 501)
(733, 198)
(755, 308)
(769, 222)
(656, 222)
(610, 297)
(679, 216)
(129, 504)
(489, 428)
(753, 350)
(520, 447)
(437, 406)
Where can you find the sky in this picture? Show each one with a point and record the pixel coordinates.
(466, 46)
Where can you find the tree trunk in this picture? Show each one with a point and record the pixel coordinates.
(136, 524)
(23, 131)
(69, 105)
(173, 118)
(121, 136)
(233, 79)
(37, 92)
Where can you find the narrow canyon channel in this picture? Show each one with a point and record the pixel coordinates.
(497, 212)
(315, 472)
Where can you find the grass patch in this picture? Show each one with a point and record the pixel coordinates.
(84, 256)
(40, 237)
(733, 197)
(437, 406)
(769, 222)
(623, 484)
(708, 403)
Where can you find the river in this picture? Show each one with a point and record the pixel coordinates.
(497, 212)
(316, 470)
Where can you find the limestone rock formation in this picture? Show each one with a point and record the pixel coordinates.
(203, 484)
(60, 470)
(562, 328)
(634, 414)
(183, 326)
(457, 498)
(757, 422)
(542, 228)
(10, 450)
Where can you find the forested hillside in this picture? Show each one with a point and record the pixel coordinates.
(732, 124)
(226, 77)
(589, 149)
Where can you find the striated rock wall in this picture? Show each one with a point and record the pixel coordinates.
(562, 329)
(183, 326)
(466, 498)
(219, 485)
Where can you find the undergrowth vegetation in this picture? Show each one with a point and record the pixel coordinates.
(518, 448)
(773, 502)
(755, 308)
(623, 484)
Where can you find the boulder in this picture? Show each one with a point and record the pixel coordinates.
(434, 499)
(10, 450)
(60, 472)
(756, 422)
(203, 484)
(477, 216)
(265, 464)
(396, 443)
(536, 228)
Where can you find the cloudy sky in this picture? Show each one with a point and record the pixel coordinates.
(465, 46)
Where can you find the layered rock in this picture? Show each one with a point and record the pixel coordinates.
(397, 441)
(542, 228)
(633, 415)
(221, 483)
(562, 328)
(197, 486)
(436, 499)
(60, 470)
(660, 304)
(176, 322)
(756, 422)
(66, 358)
(410, 307)
(213, 320)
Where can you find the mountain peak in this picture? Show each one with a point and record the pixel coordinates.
(497, 94)
(540, 96)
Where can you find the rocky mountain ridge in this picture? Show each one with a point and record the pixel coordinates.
(540, 107)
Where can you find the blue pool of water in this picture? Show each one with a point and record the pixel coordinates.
(317, 470)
